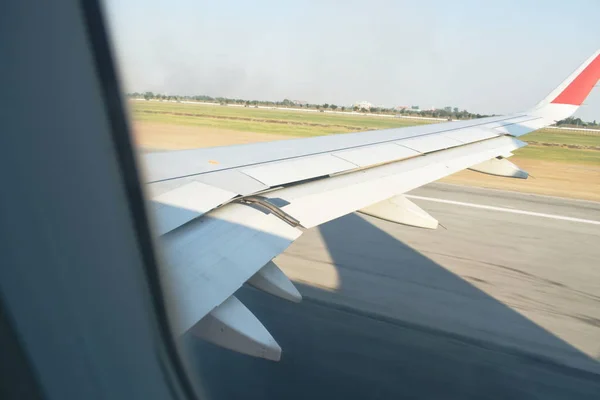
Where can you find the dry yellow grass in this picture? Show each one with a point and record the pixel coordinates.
(549, 178)
(157, 136)
(546, 177)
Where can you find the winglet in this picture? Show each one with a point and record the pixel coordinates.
(580, 83)
(563, 101)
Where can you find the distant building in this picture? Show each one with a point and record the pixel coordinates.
(363, 104)
(400, 108)
(300, 102)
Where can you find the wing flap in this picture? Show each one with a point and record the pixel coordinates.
(211, 257)
(317, 202)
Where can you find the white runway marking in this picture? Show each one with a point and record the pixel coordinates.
(508, 210)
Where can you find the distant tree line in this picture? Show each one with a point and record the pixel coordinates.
(446, 112)
(577, 122)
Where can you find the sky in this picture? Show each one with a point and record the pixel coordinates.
(489, 57)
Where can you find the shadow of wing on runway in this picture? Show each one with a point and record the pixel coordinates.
(431, 335)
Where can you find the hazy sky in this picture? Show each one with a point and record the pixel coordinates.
(485, 56)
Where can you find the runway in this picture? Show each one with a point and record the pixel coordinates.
(501, 302)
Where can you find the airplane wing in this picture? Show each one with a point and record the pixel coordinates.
(224, 213)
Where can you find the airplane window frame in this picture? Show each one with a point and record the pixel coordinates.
(74, 34)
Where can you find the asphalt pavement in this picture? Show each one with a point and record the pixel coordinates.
(503, 301)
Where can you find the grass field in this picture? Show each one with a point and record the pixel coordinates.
(559, 154)
(578, 138)
(262, 120)
(564, 163)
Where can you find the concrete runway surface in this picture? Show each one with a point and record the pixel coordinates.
(504, 302)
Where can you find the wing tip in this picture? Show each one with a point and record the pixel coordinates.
(580, 83)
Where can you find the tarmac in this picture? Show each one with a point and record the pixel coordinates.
(503, 301)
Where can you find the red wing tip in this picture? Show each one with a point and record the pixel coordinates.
(577, 91)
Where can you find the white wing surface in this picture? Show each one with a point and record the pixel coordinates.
(224, 213)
